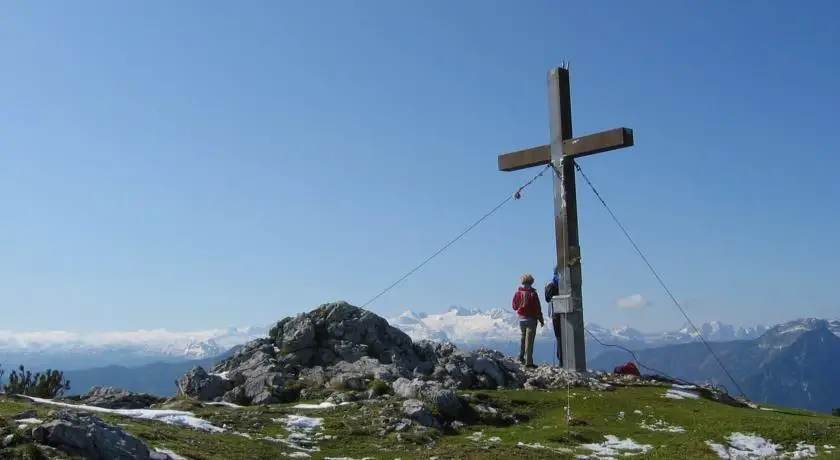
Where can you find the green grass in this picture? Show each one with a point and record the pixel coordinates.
(543, 416)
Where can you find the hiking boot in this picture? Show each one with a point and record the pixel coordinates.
(521, 360)
(530, 366)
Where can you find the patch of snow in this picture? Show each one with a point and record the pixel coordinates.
(300, 436)
(742, 445)
(297, 454)
(536, 445)
(681, 394)
(684, 387)
(803, 450)
(24, 422)
(172, 417)
(479, 435)
(224, 403)
(300, 422)
(322, 405)
(170, 454)
(486, 409)
(661, 425)
(222, 375)
(30, 420)
(638, 412)
(613, 446)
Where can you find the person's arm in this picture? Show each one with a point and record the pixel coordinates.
(539, 308)
(515, 302)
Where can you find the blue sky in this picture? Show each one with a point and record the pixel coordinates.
(201, 164)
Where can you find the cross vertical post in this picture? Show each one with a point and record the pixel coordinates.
(560, 153)
(567, 306)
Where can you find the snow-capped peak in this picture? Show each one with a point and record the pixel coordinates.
(462, 325)
(461, 311)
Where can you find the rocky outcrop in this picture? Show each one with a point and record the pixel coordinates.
(116, 398)
(82, 434)
(344, 348)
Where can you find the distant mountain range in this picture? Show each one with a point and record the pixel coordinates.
(499, 329)
(155, 378)
(788, 364)
(495, 328)
(792, 364)
(71, 351)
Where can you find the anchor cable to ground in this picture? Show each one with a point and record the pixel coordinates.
(516, 195)
(658, 278)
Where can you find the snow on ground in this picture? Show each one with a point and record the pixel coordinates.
(478, 436)
(742, 445)
(172, 417)
(172, 455)
(681, 393)
(613, 447)
(322, 405)
(24, 422)
(299, 422)
(224, 403)
(300, 436)
(537, 445)
(661, 425)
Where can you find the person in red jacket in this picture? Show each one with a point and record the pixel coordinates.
(526, 303)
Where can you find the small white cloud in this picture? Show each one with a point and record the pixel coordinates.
(634, 301)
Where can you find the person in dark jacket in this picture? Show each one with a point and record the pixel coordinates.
(526, 303)
(552, 289)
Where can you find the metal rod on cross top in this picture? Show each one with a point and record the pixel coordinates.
(561, 152)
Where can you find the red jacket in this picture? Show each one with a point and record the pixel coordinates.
(526, 303)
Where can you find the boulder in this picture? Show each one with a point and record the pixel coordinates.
(197, 383)
(116, 398)
(82, 434)
(448, 404)
(418, 412)
(445, 400)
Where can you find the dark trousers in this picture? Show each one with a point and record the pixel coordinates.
(556, 323)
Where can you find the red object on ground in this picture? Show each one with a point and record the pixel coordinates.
(627, 368)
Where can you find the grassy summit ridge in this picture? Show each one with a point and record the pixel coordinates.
(642, 414)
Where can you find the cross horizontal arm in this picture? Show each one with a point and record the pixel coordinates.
(577, 147)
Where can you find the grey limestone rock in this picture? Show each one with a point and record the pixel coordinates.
(116, 398)
(418, 412)
(198, 384)
(338, 346)
(82, 434)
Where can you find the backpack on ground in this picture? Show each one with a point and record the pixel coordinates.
(627, 368)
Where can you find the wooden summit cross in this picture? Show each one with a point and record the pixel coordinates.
(567, 306)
